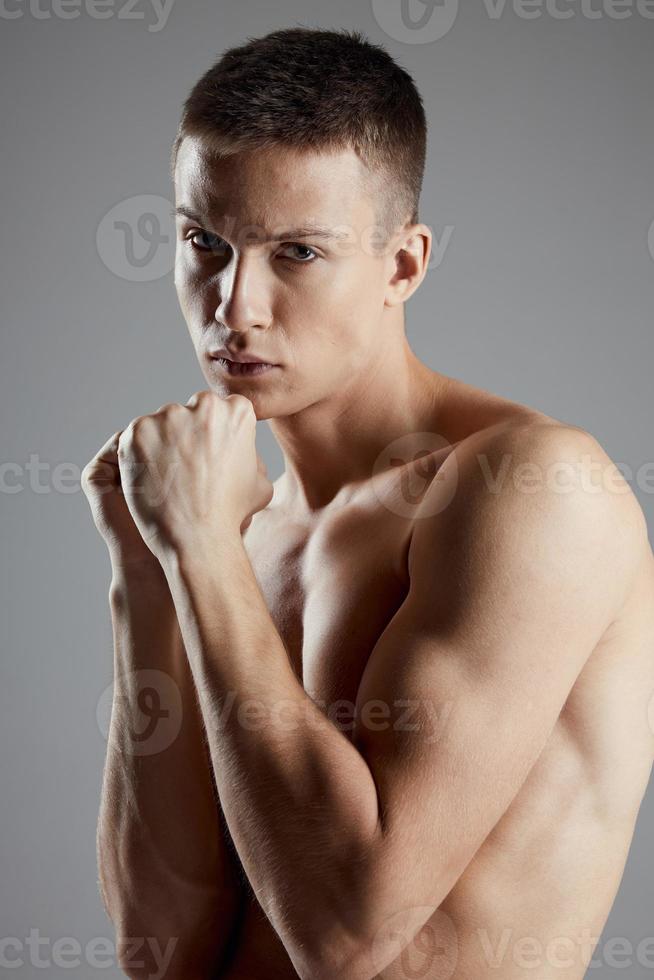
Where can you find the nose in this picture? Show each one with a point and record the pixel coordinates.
(244, 301)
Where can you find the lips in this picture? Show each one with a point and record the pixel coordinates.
(244, 358)
(238, 369)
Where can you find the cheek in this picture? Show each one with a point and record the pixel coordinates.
(357, 287)
(194, 294)
(331, 344)
(182, 285)
(347, 310)
(350, 280)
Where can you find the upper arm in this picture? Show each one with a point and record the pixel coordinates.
(509, 593)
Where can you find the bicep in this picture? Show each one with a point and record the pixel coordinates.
(509, 595)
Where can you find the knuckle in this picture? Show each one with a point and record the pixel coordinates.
(202, 399)
(240, 404)
(94, 476)
(137, 425)
(127, 437)
(85, 477)
(207, 399)
(91, 468)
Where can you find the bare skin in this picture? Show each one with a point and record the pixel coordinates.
(540, 888)
(525, 621)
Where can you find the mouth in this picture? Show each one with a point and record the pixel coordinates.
(242, 368)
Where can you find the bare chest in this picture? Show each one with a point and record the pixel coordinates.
(552, 865)
(331, 593)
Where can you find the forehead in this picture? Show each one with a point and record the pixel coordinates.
(275, 186)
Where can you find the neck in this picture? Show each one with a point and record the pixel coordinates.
(333, 444)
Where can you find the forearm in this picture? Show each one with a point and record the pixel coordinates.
(164, 865)
(298, 797)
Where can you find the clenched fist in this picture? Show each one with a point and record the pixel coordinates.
(103, 490)
(189, 474)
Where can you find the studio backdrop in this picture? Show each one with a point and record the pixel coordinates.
(539, 190)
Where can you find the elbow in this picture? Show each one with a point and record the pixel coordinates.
(358, 965)
(362, 954)
(324, 950)
(366, 959)
(333, 952)
(340, 941)
(364, 928)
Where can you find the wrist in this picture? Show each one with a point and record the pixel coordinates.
(202, 550)
(146, 573)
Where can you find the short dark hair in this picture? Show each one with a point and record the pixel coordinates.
(317, 89)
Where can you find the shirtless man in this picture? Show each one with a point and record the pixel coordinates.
(404, 713)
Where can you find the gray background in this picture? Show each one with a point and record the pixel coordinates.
(541, 149)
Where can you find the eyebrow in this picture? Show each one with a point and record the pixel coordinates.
(305, 231)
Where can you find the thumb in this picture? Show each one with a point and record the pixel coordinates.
(109, 452)
(102, 474)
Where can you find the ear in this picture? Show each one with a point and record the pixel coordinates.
(408, 263)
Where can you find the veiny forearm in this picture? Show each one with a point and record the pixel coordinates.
(299, 799)
(165, 867)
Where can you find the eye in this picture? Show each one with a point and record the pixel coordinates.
(303, 261)
(214, 243)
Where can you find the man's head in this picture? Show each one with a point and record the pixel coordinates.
(298, 129)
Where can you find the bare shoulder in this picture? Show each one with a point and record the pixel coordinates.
(511, 445)
(544, 458)
(541, 494)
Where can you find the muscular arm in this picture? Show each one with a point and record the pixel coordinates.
(509, 594)
(166, 871)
